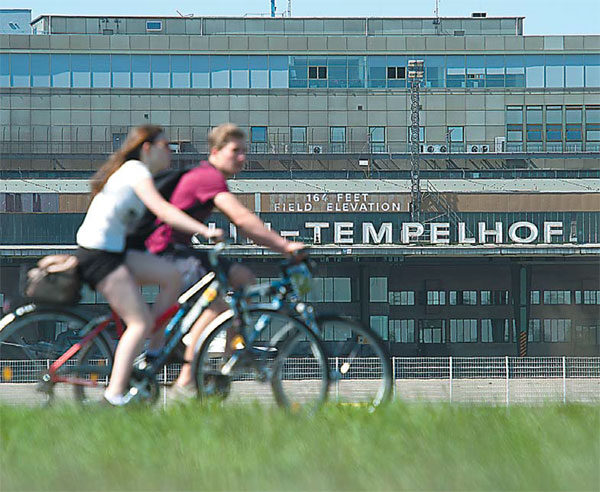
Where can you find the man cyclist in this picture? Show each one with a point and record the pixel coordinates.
(202, 189)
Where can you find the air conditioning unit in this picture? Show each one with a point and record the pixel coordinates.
(478, 149)
(434, 149)
(316, 149)
(500, 144)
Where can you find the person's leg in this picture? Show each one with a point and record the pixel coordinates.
(151, 269)
(238, 276)
(123, 294)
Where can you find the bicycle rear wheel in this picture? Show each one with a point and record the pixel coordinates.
(31, 338)
(286, 354)
(360, 362)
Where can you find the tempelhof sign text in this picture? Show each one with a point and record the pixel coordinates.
(346, 233)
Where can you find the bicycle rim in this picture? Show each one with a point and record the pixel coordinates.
(360, 365)
(285, 354)
(91, 371)
(31, 339)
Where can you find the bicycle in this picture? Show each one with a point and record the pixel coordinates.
(361, 366)
(91, 372)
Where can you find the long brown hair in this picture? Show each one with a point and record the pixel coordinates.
(130, 149)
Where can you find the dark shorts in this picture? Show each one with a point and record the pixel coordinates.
(95, 265)
(193, 264)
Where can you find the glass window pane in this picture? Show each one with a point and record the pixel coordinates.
(200, 71)
(40, 71)
(574, 70)
(534, 70)
(298, 134)
(121, 71)
(435, 68)
(100, 70)
(515, 71)
(80, 68)
(259, 72)
(219, 72)
(298, 71)
(376, 71)
(337, 71)
(377, 134)
(494, 71)
(555, 76)
(356, 71)
(161, 71)
(278, 68)
(341, 290)
(240, 76)
(378, 291)
(338, 134)
(140, 71)
(61, 70)
(4, 71)
(592, 70)
(180, 71)
(455, 71)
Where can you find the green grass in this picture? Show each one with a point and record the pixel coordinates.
(402, 447)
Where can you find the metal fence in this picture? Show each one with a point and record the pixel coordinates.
(475, 380)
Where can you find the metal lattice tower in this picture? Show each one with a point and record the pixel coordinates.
(415, 75)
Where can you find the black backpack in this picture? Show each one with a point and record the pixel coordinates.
(165, 181)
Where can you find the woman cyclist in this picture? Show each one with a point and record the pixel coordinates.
(121, 189)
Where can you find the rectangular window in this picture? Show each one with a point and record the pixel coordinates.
(396, 72)
(592, 69)
(494, 70)
(180, 72)
(534, 125)
(40, 71)
(557, 330)
(161, 71)
(317, 72)
(455, 136)
(61, 70)
(376, 71)
(298, 139)
(436, 297)
(515, 71)
(121, 71)
(592, 123)
(574, 129)
(432, 331)
(379, 324)
(534, 332)
(495, 297)
(534, 297)
(587, 297)
(495, 330)
(19, 70)
(81, 71)
(574, 71)
(219, 71)
(298, 71)
(464, 297)
(154, 25)
(259, 72)
(200, 67)
(278, 72)
(514, 124)
(463, 330)
(557, 297)
(342, 291)
(337, 138)
(554, 125)
(240, 74)
(258, 140)
(475, 71)
(402, 330)
(555, 71)
(587, 334)
(455, 71)
(100, 70)
(337, 71)
(378, 290)
(140, 71)
(402, 298)
(377, 139)
(534, 71)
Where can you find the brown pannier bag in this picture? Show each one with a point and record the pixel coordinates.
(55, 280)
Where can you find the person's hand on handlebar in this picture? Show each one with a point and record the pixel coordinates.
(215, 234)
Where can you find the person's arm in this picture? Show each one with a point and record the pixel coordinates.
(251, 225)
(169, 213)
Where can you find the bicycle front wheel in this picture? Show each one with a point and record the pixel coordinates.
(31, 339)
(360, 362)
(231, 368)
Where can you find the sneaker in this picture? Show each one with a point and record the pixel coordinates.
(117, 401)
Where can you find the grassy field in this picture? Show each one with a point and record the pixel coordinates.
(402, 447)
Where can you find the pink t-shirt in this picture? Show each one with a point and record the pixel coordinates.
(200, 185)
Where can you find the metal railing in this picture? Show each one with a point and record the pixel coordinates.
(278, 147)
(463, 380)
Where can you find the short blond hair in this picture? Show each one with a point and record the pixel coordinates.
(220, 136)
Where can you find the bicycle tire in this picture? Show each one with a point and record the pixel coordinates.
(94, 365)
(293, 361)
(360, 362)
(31, 338)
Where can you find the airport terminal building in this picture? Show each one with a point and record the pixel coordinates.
(505, 256)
